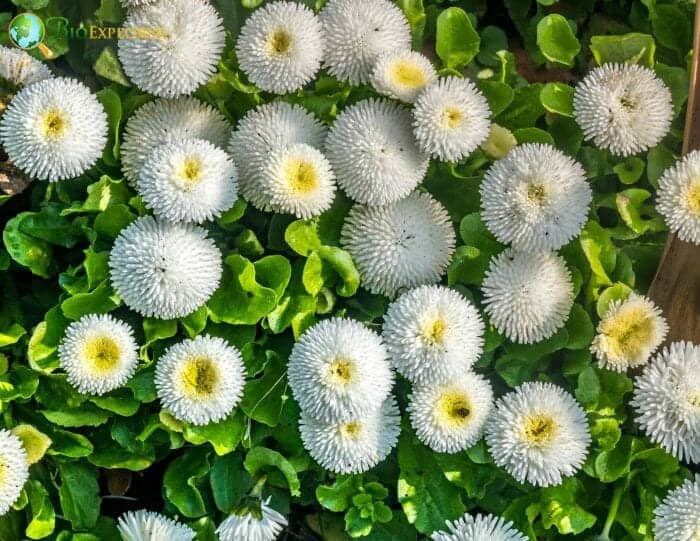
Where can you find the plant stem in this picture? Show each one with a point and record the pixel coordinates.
(612, 513)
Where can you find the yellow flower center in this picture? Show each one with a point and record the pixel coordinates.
(351, 429)
(406, 73)
(53, 123)
(301, 175)
(536, 193)
(692, 196)
(102, 352)
(452, 117)
(629, 333)
(199, 377)
(539, 429)
(433, 331)
(454, 408)
(191, 171)
(279, 42)
(340, 371)
(694, 398)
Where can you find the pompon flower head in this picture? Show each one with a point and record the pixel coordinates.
(145, 525)
(628, 333)
(373, 153)
(164, 270)
(432, 333)
(678, 198)
(451, 119)
(99, 353)
(536, 198)
(188, 37)
(163, 121)
(21, 69)
(538, 433)
(666, 400)
(189, 180)
(54, 129)
(339, 370)
(358, 32)
(354, 445)
(677, 517)
(528, 295)
(130, 4)
(201, 380)
(280, 47)
(266, 128)
(297, 180)
(403, 244)
(479, 528)
(624, 108)
(14, 469)
(450, 417)
(263, 524)
(402, 74)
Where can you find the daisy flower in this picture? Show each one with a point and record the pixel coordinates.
(54, 129)
(402, 74)
(479, 528)
(450, 417)
(164, 270)
(354, 445)
(135, 3)
(358, 32)
(666, 399)
(539, 434)
(263, 524)
(677, 517)
(624, 108)
(280, 47)
(187, 41)
(373, 154)
(21, 69)
(678, 198)
(451, 119)
(145, 525)
(536, 198)
(628, 333)
(163, 121)
(528, 295)
(189, 180)
(99, 353)
(403, 244)
(339, 370)
(433, 332)
(201, 380)
(14, 469)
(297, 180)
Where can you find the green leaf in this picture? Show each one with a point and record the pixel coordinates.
(659, 159)
(35, 442)
(633, 48)
(112, 104)
(580, 328)
(618, 291)
(108, 66)
(533, 135)
(79, 495)
(672, 27)
(560, 508)
(229, 481)
(338, 496)
(599, 251)
(181, 482)
(456, 41)
(630, 170)
(556, 40)
(223, 435)
(28, 251)
(415, 15)
(100, 300)
(43, 519)
(499, 95)
(558, 98)
(11, 335)
(259, 458)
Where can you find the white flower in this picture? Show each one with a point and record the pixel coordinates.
(677, 517)
(479, 528)
(628, 333)
(339, 370)
(403, 244)
(201, 380)
(538, 433)
(252, 525)
(358, 32)
(180, 53)
(21, 69)
(666, 400)
(145, 525)
(98, 353)
(163, 121)
(14, 469)
(354, 445)
(297, 180)
(536, 198)
(451, 119)
(432, 333)
(528, 295)
(678, 197)
(266, 128)
(373, 154)
(280, 46)
(164, 270)
(624, 108)
(135, 3)
(54, 129)
(450, 417)
(189, 180)
(402, 74)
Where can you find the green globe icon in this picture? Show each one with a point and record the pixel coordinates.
(26, 30)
